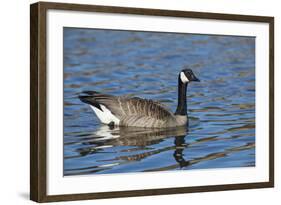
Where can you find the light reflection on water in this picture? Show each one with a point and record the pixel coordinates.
(221, 107)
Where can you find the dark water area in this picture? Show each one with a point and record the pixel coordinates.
(221, 131)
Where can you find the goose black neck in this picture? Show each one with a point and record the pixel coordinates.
(181, 109)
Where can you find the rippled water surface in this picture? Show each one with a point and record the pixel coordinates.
(221, 107)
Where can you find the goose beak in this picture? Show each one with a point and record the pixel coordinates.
(195, 79)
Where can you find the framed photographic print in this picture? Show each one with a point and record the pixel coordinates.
(134, 102)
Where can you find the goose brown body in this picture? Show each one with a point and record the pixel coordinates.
(135, 112)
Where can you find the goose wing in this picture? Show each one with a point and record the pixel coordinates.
(130, 110)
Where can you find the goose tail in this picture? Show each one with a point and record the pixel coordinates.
(102, 111)
(88, 97)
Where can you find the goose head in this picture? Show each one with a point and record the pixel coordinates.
(187, 75)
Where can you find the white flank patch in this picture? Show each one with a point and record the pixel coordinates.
(184, 79)
(105, 115)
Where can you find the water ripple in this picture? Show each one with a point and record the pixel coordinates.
(221, 107)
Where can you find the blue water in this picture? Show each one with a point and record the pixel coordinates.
(221, 107)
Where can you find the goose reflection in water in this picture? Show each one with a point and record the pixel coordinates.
(128, 136)
(136, 146)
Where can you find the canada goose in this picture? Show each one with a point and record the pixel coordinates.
(138, 112)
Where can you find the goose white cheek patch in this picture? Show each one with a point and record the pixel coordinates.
(183, 77)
